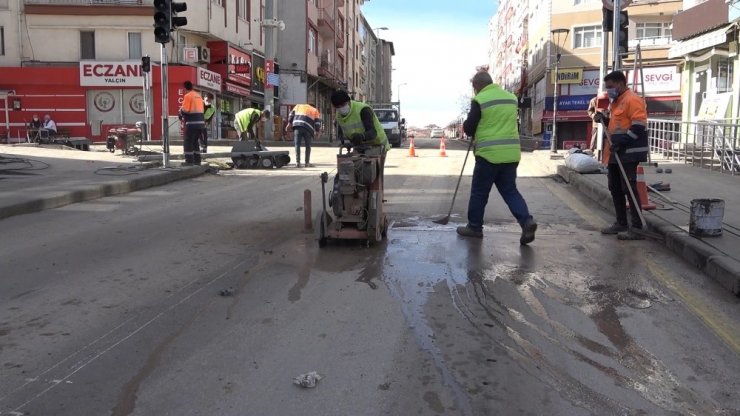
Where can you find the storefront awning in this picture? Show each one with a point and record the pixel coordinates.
(566, 115)
(707, 40)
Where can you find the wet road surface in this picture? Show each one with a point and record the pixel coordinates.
(113, 307)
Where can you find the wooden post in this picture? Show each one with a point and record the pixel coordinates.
(307, 221)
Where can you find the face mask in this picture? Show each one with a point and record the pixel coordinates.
(613, 93)
(343, 110)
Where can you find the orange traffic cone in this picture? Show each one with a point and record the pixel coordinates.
(412, 150)
(642, 191)
(442, 148)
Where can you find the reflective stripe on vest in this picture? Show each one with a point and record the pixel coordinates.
(491, 103)
(637, 149)
(352, 124)
(497, 142)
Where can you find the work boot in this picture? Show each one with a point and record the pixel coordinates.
(466, 231)
(298, 165)
(629, 236)
(309, 165)
(614, 229)
(528, 230)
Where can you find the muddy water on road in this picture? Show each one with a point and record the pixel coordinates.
(557, 325)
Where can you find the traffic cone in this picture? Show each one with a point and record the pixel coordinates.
(442, 148)
(642, 191)
(412, 150)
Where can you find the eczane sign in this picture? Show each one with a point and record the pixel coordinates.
(110, 74)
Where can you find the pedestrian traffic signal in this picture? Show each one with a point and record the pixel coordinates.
(622, 35)
(162, 15)
(146, 64)
(178, 21)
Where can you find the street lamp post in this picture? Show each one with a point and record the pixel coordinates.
(556, 34)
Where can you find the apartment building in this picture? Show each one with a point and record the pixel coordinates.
(369, 61)
(384, 70)
(321, 51)
(80, 61)
(708, 34)
(532, 42)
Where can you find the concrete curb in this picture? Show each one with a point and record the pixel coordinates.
(715, 264)
(87, 193)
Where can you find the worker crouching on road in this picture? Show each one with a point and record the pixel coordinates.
(191, 113)
(356, 121)
(627, 128)
(305, 120)
(492, 122)
(246, 120)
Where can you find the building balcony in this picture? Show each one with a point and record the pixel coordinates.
(89, 7)
(340, 39)
(326, 70)
(326, 22)
(659, 42)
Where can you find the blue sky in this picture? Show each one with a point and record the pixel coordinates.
(438, 44)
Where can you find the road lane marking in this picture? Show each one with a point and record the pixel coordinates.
(724, 329)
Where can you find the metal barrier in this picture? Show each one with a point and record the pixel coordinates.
(710, 144)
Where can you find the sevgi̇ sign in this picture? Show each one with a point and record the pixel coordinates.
(110, 74)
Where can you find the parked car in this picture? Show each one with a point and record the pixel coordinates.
(436, 134)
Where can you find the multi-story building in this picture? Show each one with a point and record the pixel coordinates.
(708, 33)
(580, 47)
(321, 50)
(509, 40)
(80, 61)
(384, 68)
(368, 60)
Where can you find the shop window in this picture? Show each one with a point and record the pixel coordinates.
(725, 75)
(587, 37)
(87, 45)
(134, 45)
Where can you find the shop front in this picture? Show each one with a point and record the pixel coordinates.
(573, 122)
(234, 65)
(82, 100)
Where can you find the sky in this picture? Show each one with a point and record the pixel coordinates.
(438, 44)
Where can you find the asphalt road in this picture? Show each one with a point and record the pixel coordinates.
(113, 307)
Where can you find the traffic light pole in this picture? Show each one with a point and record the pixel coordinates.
(270, 38)
(616, 57)
(165, 109)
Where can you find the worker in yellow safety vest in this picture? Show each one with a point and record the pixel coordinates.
(492, 125)
(246, 120)
(357, 123)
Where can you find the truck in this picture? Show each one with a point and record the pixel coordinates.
(389, 115)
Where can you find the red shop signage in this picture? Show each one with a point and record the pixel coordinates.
(239, 67)
(236, 89)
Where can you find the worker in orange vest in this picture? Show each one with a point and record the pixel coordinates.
(191, 113)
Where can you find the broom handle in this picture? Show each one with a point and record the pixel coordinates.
(459, 178)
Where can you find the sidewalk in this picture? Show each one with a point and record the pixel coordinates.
(718, 257)
(34, 178)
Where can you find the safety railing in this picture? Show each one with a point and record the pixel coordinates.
(709, 144)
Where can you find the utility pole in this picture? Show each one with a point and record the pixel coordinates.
(616, 57)
(269, 25)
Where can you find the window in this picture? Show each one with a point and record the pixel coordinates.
(2, 41)
(245, 10)
(725, 75)
(587, 37)
(134, 45)
(312, 47)
(653, 30)
(87, 45)
(218, 2)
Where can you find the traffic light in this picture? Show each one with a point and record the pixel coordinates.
(622, 35)
(178, 21)
(146, 64)
(162, 15)
(607, 22)
(166, 19)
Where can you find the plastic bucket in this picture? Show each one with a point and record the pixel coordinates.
(706, 216)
